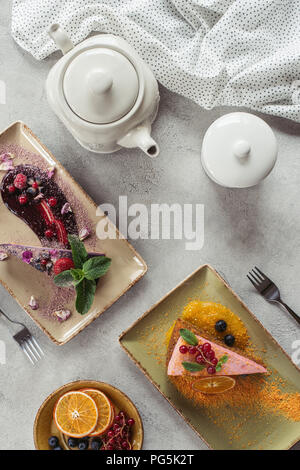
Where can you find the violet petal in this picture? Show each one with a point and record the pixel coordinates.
(33, 303)
(51, 172)
(27, 256)
(62, 315)
(66, 208)
(39, 196)
(3, 255)
(84, 233)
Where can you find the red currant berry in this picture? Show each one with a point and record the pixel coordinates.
(130, 422)
(183, 349)
(117, 418)
(49, 233)
(20, 181)
(116, 427)
(52, 201)
(23, 200)
(210, 355)
(211, 370)
(124, 445)
(110, 447)
(34, 185)
(110, 434)
(206, 347)
(44, 262)
(214, 361)
(200, 359)
(192, 350)
(11, 189)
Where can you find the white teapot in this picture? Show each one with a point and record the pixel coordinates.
(103, 92)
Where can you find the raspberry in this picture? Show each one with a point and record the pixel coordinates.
(63, 264)
(20, 181)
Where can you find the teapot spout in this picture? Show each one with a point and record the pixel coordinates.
(141, 137)
(60, 38)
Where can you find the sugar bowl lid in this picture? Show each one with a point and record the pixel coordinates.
(101, 85)
(239, 150)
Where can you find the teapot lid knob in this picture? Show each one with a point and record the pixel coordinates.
(101, 85)
(99, 82)
(242, 148)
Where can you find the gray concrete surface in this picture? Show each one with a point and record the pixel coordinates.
(242, 228)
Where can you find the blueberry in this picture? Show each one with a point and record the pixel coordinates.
(229, 340)
(83, 444)
(72, 442)
(220, 326)
(53, 441)
(57, 448)
(96, 444)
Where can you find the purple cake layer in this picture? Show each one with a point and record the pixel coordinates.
(41, 258)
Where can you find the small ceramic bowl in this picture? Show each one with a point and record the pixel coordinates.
(44, 426)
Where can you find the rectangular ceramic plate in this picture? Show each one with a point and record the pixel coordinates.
(148, 334)
(22, 280)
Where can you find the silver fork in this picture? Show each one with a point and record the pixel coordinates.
(26, 341)
(268, 289)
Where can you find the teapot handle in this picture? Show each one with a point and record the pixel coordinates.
(60, 38)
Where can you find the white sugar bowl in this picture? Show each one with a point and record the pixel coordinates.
(239, 150)
(104, 93)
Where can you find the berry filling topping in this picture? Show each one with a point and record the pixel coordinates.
(20, 181)
(63, 264)
(204, 355)
(23, 199)
(35, 197)
(52, 202)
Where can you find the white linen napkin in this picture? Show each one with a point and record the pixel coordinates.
(216, 52)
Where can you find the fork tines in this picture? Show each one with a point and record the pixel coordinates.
(256, 277)
(29, 345)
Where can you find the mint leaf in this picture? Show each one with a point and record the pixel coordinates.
(222, 361)
(192, 366)
(188, 336)
(85, 295)
(79, 253)
(77, 275)
(96, 267)
(64, 279)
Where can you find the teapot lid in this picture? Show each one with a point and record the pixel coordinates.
(239, 150)
(101, 85)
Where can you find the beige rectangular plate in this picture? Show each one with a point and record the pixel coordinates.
(22, 280)
(145, 344)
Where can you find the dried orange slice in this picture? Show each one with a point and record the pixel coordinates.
(76, 414)
(113, 413)
(218, 384)
(105, 410)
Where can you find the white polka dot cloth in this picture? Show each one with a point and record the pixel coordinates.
(216, 52)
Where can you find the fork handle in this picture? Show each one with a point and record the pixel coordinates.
(297, 318)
